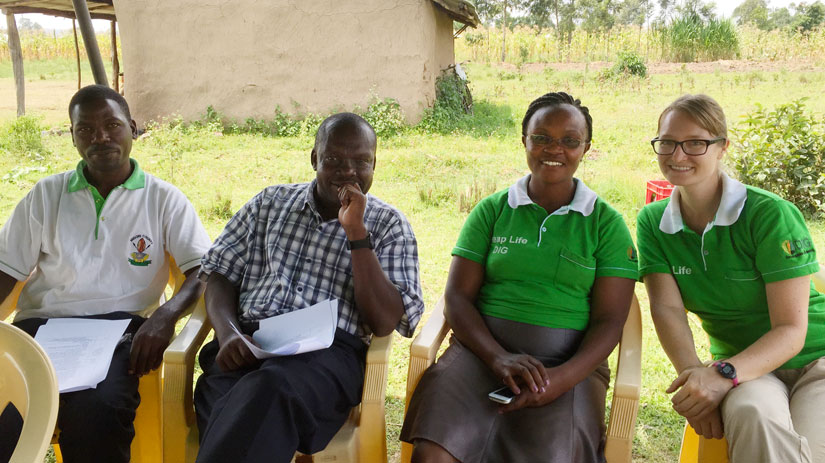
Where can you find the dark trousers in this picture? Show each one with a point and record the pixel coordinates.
(285, 404)
(96, 425)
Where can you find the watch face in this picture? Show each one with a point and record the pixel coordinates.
(726, 370)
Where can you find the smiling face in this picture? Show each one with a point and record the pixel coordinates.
(554, 162)
(346, 156)
(103, 134)
(681, 169)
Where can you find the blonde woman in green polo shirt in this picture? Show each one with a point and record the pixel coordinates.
(741, 259)
(539, 288)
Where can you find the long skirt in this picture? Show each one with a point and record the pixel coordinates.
(450, 406)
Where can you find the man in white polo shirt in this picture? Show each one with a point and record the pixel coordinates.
(95, 242)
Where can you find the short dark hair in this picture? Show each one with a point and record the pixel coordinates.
(92, 93)
(341, 120)
(557, 99)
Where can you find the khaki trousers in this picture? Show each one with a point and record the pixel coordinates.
(778, 418)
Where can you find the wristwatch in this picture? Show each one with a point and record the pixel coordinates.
(362, 243)
(727, 371)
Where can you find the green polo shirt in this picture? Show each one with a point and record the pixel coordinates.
(539, 268)
(755, 238)
(77, 182)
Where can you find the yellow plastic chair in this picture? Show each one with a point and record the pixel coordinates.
(28, 381)
(696, 448)
(361, 439)
(626, 388)
(147, 445)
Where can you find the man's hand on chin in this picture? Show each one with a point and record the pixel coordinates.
(351, 213)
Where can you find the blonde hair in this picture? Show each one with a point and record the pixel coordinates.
(704, 110)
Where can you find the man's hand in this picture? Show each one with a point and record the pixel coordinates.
(520, 368)
(351, 213)
(710, 425)
(234, 354)
(701, 390)
(150, 340)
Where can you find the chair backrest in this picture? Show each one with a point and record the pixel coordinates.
(28, 381)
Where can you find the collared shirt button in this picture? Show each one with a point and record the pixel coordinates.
(299, 289)
(544, 229)
(705, 252)
(308, 260)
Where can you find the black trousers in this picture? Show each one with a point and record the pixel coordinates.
(96, 425)
(285, 404)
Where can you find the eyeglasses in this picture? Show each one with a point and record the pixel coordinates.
(689, 147)
(566, 142)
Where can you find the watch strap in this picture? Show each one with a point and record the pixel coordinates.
(364, 243)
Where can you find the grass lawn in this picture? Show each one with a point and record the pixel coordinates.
(429, 176)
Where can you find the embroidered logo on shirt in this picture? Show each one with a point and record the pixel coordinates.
(140, 257)
(796, 248)
(631, 254)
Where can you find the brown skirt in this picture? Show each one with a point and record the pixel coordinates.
(450, 405)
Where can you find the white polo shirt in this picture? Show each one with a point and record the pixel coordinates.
(86, 255)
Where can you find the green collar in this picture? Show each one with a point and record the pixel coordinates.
(135, 181)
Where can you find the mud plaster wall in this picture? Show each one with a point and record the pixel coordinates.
(245, 57)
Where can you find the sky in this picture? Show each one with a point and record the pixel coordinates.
(723, 7)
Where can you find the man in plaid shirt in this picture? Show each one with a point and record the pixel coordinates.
(288, 248)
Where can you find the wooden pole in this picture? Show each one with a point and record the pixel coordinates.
(115, 63)
(16, 52)
(84, 19)
(76, 52)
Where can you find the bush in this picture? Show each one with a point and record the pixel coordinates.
(21, 137)
(385, 116)
(630, 63)
(783, 151)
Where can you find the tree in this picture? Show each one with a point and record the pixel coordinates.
(26, 24)
(809, 17)
(754, 12)
(780, 17)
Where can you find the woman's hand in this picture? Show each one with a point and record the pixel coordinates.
(520, 368)
(551, 391)
(701, 390)
(709, 426)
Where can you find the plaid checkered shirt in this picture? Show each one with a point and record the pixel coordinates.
(282, 257)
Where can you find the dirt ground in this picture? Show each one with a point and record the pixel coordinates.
(674, 68)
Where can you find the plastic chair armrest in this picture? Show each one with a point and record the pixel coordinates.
(8, 305)
(425, 346)
(626, 389)
(819, 281)
(178, 370)
(372, 422)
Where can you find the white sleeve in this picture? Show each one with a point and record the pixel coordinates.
(185, 237)
(21, 236)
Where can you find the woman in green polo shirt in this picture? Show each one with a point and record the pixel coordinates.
(539, 288)
(740, 258)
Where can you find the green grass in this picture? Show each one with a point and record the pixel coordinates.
(425, 175)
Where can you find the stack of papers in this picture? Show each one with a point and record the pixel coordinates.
(303, 330)
(80, 349)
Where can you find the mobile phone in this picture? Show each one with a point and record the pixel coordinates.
(503, 396)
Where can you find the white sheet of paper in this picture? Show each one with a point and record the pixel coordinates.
(80, 349)
(303, 330)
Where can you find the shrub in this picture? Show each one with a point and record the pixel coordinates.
(783, 151)
(21, 137)
(630, 63)
(385, 116)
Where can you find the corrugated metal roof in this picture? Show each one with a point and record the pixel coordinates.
(462, 11)
(99, 9)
